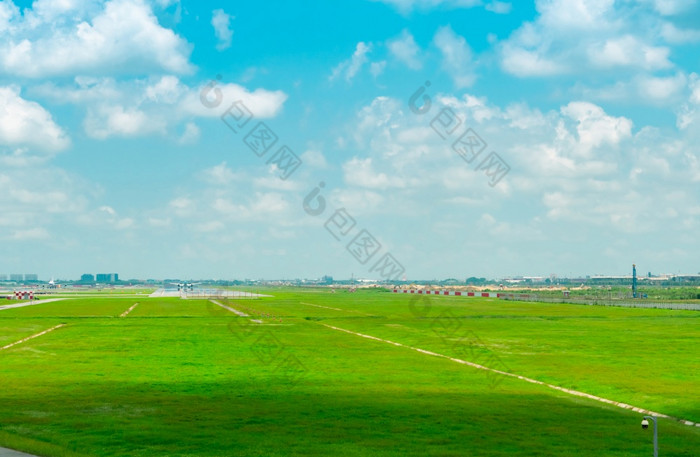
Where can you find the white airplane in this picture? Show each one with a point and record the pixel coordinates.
(185, 285)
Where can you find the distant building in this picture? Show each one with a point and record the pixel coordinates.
(107, 277)
(87, 277)
(31, 277)
(3, 277)
(16, 277)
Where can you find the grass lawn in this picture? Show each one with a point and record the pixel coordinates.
(189, 378)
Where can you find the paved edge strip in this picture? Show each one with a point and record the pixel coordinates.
(6, 452)
(523, 378)
(31, 303)
(32, 337)
(126, 313)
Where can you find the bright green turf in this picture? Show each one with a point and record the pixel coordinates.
(188, 378)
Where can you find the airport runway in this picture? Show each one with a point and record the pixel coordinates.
(31, 303)
(10, 453)
(205, 293)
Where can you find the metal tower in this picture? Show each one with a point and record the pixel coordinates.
(634, 281)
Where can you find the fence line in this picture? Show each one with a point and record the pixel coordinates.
(601, 302)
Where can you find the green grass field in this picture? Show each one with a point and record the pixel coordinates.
(190, 378)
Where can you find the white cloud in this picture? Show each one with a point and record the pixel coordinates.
(689, 113)
(26, 127)
(107, 209)
(220, 174)
(674, 35)
(405, 6)
(629, 50)
(8, 11)
(222, 28)
(348, 69)
(115, 120)
(695, 88)
(182, 206)
(190, 135)
(405, 49)
(166, 90)
(314, 158)
(456, 56)
(672, 7)
(524, 63)
(261, 102)
(662, 88)
(578, 36)
(498, 7)
(36, 199)
(151, 106)
(211, 226)
(37, 233)
(123, 37)
(360, 172)
(576, 14)
(377, 68)
(595, 127)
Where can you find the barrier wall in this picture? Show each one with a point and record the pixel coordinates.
(448, 292)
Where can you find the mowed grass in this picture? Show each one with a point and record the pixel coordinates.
(645, 357)
(189, 378)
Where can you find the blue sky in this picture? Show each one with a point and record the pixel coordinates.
(577, 123)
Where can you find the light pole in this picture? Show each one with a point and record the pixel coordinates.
(645, 424)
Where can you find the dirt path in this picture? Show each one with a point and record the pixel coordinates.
(522, 378)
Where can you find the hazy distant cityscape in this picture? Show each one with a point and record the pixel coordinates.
(89, 279)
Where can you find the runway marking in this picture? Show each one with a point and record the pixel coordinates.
(337, 309)
(32, 337)
(522, 378)
(235, 311)
(126, 313)
(320, 306)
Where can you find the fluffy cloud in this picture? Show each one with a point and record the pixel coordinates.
(361, 173)
(675, 35)
(405, 49)
(62, 38)
(154, 105)
(570, 37)
(499, 7)
(456, 56)
(581, 163)
(116, 120)
(672, 7)
(26, 128)
(629, 50)
(349, 68)
(33, 200)
(222, 29)
(662, 88)
(405, 6)
(594, 127)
